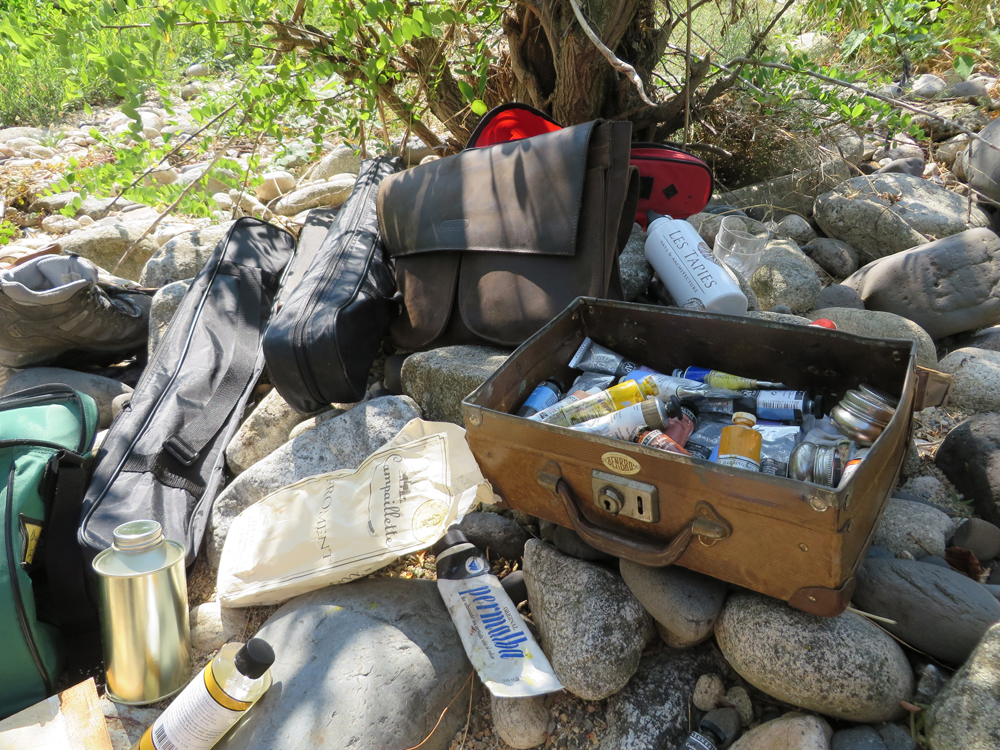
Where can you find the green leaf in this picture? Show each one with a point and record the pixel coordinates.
(964, 65)
(467, 91)
(859, 109)
(479, 107)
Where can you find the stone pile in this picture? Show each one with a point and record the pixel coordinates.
(899, 252)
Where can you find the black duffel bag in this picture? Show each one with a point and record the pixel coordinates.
(322, 342)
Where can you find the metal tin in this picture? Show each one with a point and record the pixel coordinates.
(862, 414)
(142, 587)
(819, 463)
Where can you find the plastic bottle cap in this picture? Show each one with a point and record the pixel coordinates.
(254, 658)
(824, 323)
(744, 416)
(451, 537)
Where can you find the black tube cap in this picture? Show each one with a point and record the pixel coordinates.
(254, 658)
(652, 216)
(451, 537)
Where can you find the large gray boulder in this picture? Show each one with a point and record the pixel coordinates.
(792, 731)
(182, 256)
(970, 458)
(368, 665)
(592, 629)
(342, 160)
(438, 380)
(884, 214)
(264, 431)
(936, 610)
(840, 666)
(685, 604)
(881, 325)
(835, 257)
(976, 373)
(916, 528)
(651, 712)
(983, 166)
(784, 279)
(966, 714)
(102, 390)
(331, 193)
(340, 443)
(105, 245)
(945, 287)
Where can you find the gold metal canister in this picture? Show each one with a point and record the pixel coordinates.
(144, 614)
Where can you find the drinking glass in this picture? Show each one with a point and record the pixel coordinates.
(740, 246)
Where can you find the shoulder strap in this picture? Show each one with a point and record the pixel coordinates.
(64, 562)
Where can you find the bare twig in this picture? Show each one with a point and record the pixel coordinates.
(617, 63)
(687, 77)
(867, 92)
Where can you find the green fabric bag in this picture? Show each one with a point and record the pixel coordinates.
(46, 436)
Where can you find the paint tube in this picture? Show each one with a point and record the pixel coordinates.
(626, 423)
(588, 384)
(723, 379)
(639, 373)
(593, 357)
(660, 441)
(705, 438)
(683, 388)
(505, 655)
(776, 405)
(776, 448)
(606, 402)
(545, 395)
(852, 466)
(589, 380)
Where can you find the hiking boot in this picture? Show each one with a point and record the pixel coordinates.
(63, 308)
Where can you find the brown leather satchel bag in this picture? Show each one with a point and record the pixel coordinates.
(492, 243)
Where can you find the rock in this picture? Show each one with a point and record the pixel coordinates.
(438, 380)
(213, 626)
(962, 117)
(9, 134)
(940, 612)
(792, 732)
(651, 711)
(313, 422)
(167, 231)
(983, 166)
(785, 280)
(976, 373)
(263, 432)
(913, 165)
(127, 724)
(949, 150)
(569, 543)
(498, 534)
(515, 586)
(882, 325)
(197, 70)
(912, 527)
(967, 89)
(183, 256)
(685, 604)
(592, 628)
(59, 224)
(880, 215)
(342, 160)
(930, 489)
(966, 715)
(709, 692)
(366, 665)
(102, 390)
(636, 272)
(332, 193)
(161, 312)
(251, 205)
(946, 287)
(739, 698)
(779, 318)
(190, 91)
(813, 44)
(894, 737)
(857, 738)
(105, 246)
(838, 295)
(118, 403)
(799, 658)
(520, 722)
(927, 86)
(795, 192)
(341, 443)
(982, 537)
(970, 458)
(275, 184)
(796, 228)
(835, 257)
(987, 338)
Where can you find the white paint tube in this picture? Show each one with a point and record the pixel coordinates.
(593, 357)
(626, 423)
(506, 657)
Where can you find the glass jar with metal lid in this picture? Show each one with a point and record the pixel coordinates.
(863, 414)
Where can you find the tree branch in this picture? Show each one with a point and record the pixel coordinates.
(646, 116)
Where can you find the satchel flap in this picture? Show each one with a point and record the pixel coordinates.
(519, 197)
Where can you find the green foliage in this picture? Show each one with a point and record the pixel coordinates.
(8, 231)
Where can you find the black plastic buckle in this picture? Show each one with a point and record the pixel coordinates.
(180, 450)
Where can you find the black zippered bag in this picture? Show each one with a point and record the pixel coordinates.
(322, 342)
(163, 457)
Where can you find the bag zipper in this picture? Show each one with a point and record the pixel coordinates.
(300, 350)
(15, 584)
